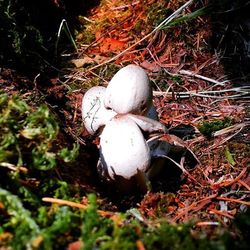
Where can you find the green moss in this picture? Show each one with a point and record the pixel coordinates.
(208, 127)
(94, 228)
(26, 229)
(139, 26)
(157, 13)
(19, 39)
(55, 227)
(28, 151)
(24, 130)
(108, 71)
(239, 147)
(170, 237)
(84, 34)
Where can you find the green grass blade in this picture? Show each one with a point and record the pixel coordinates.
(188, 17)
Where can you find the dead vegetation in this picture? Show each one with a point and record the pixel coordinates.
(191, 88)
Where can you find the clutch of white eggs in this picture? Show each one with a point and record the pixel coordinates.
(132, 135)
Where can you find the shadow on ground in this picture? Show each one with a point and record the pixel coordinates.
(231, 38)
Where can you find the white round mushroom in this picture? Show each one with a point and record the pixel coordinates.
(123, 149)
(94, 113)
(129, 91)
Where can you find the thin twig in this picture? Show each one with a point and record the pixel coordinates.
(201, 202)
(221, 142)
(231, 182)
(247, 203)
(13, 167)
(189, 73)
(75, 205)
(63, 202)
(240, 92)
(207, 223)
(231, 129)
(125, 6)
(222, 213)
(241, 182)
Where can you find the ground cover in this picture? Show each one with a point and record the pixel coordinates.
(53, 197)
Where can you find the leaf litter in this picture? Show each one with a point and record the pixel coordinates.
(190, 88)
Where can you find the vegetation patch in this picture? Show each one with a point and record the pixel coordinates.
(208, 127)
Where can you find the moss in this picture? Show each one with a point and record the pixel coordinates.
(208, 127)
(240, 148)
(108, 71)
(29, 150)
(157, 13)
(55, 227)
(21, 42)
(28, 31)
(94, 227)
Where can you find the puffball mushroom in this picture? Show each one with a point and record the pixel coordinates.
(94, 113)
(124, 151)
(126, 111)
(125, 156)
(129, 91)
